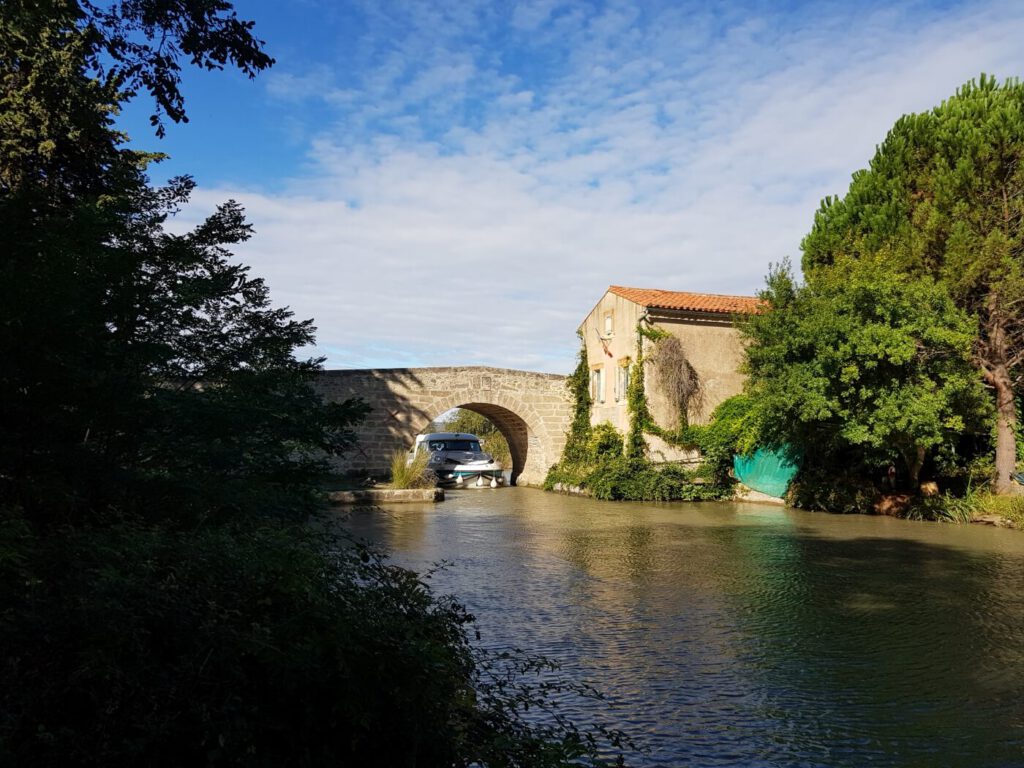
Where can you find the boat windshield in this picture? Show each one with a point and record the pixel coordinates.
(455, 445)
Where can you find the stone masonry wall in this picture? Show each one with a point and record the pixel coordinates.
(532, 410)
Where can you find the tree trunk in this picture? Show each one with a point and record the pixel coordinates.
(1006, 437)
(996, 367)
(914, 460)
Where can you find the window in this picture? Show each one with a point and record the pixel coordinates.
(597, 384)
(609, 323)
(622, 379)
(455, 445)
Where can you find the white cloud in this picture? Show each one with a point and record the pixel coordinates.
(471, 201)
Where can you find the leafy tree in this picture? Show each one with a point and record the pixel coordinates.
(861, 365)
(943, 197)
(158, 606)
(144, 372)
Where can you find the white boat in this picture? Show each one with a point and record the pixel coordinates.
(457, 459)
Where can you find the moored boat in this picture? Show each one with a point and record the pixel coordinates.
(456, 459)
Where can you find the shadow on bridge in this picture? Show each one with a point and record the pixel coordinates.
(530, 409)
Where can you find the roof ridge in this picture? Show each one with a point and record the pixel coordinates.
(689, 301)
(690, 293)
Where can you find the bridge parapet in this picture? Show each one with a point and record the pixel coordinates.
(533, 410)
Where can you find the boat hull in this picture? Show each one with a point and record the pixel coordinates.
(470, 476)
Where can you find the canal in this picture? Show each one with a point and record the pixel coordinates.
(745, 635)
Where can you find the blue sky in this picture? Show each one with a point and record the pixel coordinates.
(441, 183)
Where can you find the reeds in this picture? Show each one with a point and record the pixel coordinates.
(414, 474)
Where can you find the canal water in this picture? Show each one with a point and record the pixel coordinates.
(745, 635)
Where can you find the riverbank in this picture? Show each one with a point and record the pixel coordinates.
(387, 496)
(996, 511)
(740, 493)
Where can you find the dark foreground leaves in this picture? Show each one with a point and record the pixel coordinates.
(137, 645)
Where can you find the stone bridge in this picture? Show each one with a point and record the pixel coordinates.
(532, 410)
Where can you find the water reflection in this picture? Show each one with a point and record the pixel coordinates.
(745, 635)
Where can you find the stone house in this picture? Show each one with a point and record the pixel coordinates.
(703, 324)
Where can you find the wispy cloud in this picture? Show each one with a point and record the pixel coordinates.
(481, 173)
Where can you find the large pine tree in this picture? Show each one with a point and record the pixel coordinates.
(944, 197)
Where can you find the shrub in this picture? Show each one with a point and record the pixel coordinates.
(605, 443)
(253, 646)
(414, 474)
(973, 504)
(625, 479)
(827, 490)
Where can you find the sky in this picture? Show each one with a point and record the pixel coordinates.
(457, 182)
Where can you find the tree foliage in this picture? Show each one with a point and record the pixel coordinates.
(163, 604)
(862, 367)
(943, 198)
(145, 373)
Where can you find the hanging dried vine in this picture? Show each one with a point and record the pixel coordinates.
(684, 391)
(677, 379)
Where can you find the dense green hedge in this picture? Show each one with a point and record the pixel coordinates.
(608, 473)
(628, 479)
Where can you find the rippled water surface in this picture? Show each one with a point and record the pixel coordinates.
(747, 635)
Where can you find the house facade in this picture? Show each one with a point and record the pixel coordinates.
(703, 324)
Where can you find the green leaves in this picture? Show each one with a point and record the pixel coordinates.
(862, 359)
(943, 198)
(144, 371)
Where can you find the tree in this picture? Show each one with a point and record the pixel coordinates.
(143, 370)
(944, 197)
(862, 364)
(67, 65)
(160, 607)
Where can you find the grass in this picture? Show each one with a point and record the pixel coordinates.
(971, 506)
(410, 475)
(1010, 507)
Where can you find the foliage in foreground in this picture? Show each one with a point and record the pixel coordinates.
(267, 645)
(158, 433)
(145, 372)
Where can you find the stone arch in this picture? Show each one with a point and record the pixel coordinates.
(532, 410)
(517, 421)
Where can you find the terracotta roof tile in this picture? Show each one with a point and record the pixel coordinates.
(693, 302)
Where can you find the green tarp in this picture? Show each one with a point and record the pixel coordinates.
(765, 470)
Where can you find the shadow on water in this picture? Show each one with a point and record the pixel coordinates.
(736, 635)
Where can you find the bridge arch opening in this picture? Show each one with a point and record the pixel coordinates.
(511, 425)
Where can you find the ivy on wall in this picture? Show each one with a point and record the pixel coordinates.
(603, 463)
(641, 422)
(578, 383)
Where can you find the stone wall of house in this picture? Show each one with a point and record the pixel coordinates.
(711, 343)
(611, 347)
(714, 349)
(713, 346)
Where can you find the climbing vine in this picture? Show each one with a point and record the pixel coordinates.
(594, 459)
(684, 387)
(578, 383)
